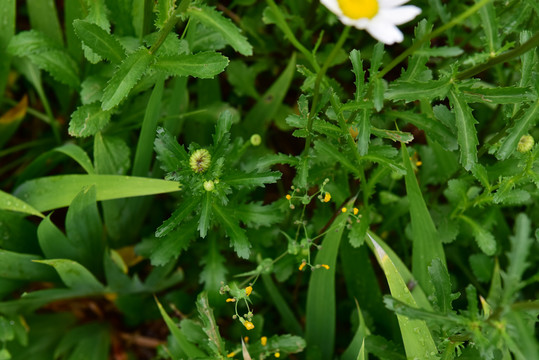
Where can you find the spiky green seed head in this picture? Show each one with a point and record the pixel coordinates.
(525, 143)
(200, 160)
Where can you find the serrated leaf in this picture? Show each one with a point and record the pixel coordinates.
(357, 69)
(168, 247)
(255, 214)
(88, 120)
(364, 132)
(111, 155)
(171, 154)
(205, 313)
(202, 65)
(177, 216)
(214, 271)
(126, 76)
(441, 51)
(236, 234)
(324, 147)
(467, 134)
(59, 64)
(30, 42)
(253, 179)
(484, 238)
(417, 62)
(520, 250)
(500, 95)
(99, 41)
(521, 126)
(393, 135)
(213, 19)
(416, 90)
(441, 283)
(205, 214)
(165, 9)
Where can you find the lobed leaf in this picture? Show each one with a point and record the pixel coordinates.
(99, 41)
(416, 90)
(236, 234)
(467, 135)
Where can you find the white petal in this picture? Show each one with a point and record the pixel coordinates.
(384, 32)
(332, 5)
(400, 15)
(391, 3)
(357, 23)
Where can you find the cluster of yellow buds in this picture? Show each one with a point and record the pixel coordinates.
(238, 294)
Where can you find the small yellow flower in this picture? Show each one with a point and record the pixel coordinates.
(356, 210)
(327, 197)
(277, 355)
(248, 325)
(263, 340)
(232, 354)
(246, 339)
(302, 266)
(325, 266)
(248, 290)
(344, 209)
(230, 300)
(418, 163)
(288, 197)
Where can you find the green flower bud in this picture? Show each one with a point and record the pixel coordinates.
(525, 143)
(200, 160)
(209, 185)
(256, 140)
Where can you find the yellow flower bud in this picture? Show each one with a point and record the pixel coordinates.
(325, 266)
(277, 355)
(263, 340)
(302, 266)
(288, 197)
(248, 290)
(344, 209)
(356, 210)
(230, 300)
(327, 197)
(525, 144)
(248, 325)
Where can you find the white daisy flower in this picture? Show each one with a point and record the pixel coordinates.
(378, 17)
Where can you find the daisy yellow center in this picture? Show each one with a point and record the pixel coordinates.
(357, 9)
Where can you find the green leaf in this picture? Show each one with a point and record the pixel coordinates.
(79, 155)
(418, 341)
(144, 153)
(416, 90)
(520, 127)
(126, 76)
(59, 64)
(357, 69)
(253, 179)
(265, 109)
(168, 247)
(85, 230)
(203, 65)
(171, 154)
(489, 22)
(213, 19)
(10, 202)
(99, 41)
(53, 192)
(357, 345)
(287, 316)
(205, 214)
(111, 155)
(364, 132)
(255, 214)
(190, 350)
(88, 120)
(521, 243)
(54, 243)
(177, 216)
(205, 313)
(7, 19)
(441, 283)
(467, 135)
(44, 18)
(499, 95)
(417, 68)
(441, 51)
(485, 240)
(236, 234)
(17, 266)
(321, 307)
(214, 270)
(426, 243)
(30, 42)
(165, 9)
(324, 147)
(89, 341)
(74, 275)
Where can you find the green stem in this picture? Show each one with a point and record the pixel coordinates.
(146, 18)
(472, 10)
(51, 120)
(527, 46)
(281, 23)
(169, 25)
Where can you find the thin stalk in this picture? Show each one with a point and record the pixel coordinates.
(281, 23)
(527, 46)
(433, 34)
(169, 25)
